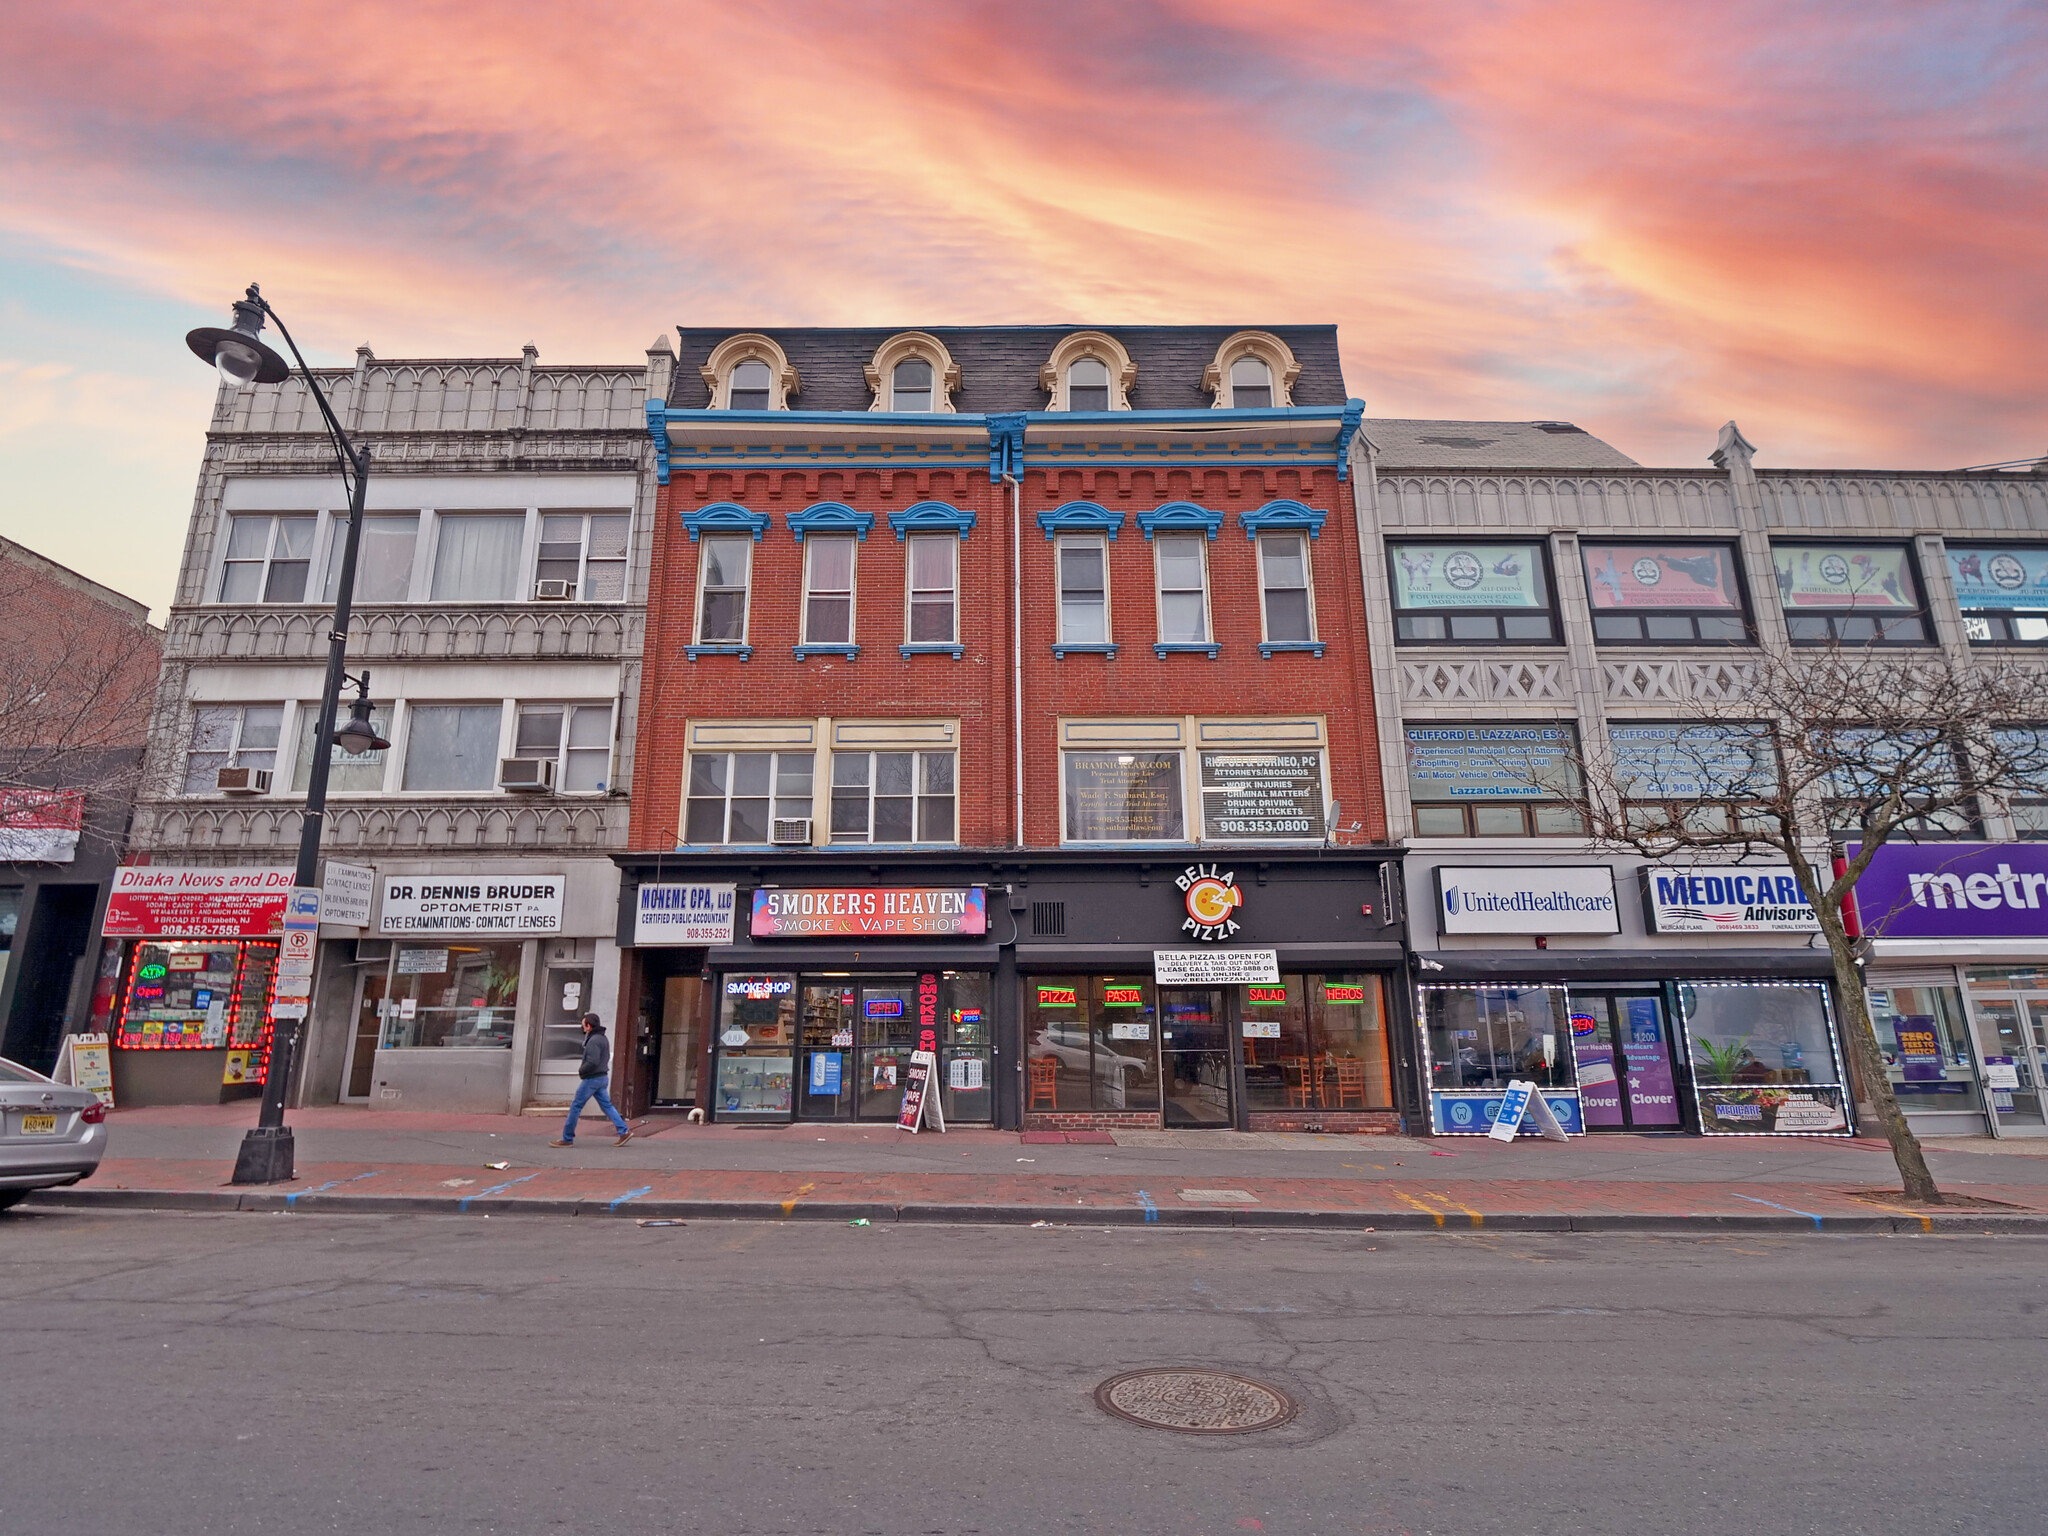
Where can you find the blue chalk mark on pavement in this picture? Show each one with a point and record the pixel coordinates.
(1777, 1207)
(495, 1189)
(631, 1194)
(291, 1201)
(1151, 1210)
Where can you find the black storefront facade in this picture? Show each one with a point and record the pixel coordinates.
(1067, 989)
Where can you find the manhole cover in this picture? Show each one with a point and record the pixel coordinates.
(1195, 1402)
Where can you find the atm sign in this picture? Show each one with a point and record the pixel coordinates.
(1057, 997)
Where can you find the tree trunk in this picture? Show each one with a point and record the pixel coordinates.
(1859, 1034)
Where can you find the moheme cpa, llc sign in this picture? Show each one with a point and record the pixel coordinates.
(472, 904)
(864, 911)
(1726, 898)
(683, 913)
(1556, 898)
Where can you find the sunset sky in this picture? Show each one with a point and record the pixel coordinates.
(1826, 220)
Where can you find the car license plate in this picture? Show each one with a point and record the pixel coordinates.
(38, 1125)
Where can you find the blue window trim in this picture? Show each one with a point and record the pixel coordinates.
(1092, 648)
(692, 652)
(1080, 517)
(801, 651)
(1268, 647)
(1283, 514)
(929, 649)
(1166, 648)
(932, 517)
(1181, 517)
(830, 517)
(726, 517)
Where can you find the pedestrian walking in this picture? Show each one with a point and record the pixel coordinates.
(596, 1074)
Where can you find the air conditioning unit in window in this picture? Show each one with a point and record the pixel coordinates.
(790, 829)
(552, 590)
(526, 773)
(242, 781)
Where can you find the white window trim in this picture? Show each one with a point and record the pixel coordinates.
(1269, 349)
(1308, 575)
(746, 605)
(401, 744)
(1077, 541)
(585, 514)
(511, 741)
(811, 545)
(915, 751)
(749, 346)
(880, 371)
(241, 708)
(909, 592)
(1123, 373)
(1159, 590)
(316, 565)
(1182, 736)
(821, 761)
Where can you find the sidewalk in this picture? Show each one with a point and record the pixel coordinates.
(353, 1159)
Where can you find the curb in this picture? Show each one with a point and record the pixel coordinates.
(936, 1214)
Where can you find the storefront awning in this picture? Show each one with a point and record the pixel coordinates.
(1620, 965)
(1138, 957)
(876, 956)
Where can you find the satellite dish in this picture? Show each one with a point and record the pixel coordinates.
(1330, 821)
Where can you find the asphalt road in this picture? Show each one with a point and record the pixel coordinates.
(235, 1373)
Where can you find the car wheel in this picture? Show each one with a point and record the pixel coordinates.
(11, 1197)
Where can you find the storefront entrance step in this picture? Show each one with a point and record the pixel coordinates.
(1043, 1138)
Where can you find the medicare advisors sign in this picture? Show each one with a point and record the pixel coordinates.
(1726, 898)
(1955, 891)
(1567, 898)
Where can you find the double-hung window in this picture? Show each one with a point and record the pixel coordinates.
(577, 738)
(452, 747)
(1084, 590)
(1668, 594)
(1284, 588)
(732, 796)
(268, 557)
(910, 385)
(1088, 385)
(383, 556)
(1183, 566)
(585, 550)
(476, 556)
(828, 589)
(722, 571)
(892, 797)
(348, 773)
(1251, 384)
(2003, 592)
(749, 387)
(1471, 593)
(1849, 594)
(230, 736)
(934, 565)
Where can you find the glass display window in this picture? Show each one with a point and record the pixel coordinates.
(1316, 1041)
(201, 994)
(1468, 594)
(1924, 1035)
(1485, 1037)
(456, 995)
(1673, 594)
(1092, 1043)
(1763, 1057)
(756, 1040)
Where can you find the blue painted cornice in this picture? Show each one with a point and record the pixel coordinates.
(1181, 517)
(657, 428)
(1006, 444)
(1080, 517)
(830, 517)
(1283, 514)
(726, 517)
(1354, 414)
(931, 517)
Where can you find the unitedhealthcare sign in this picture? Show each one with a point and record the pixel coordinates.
(1570, 898)
(1955, 891)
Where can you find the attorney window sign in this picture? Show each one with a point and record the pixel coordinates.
(1262, 796)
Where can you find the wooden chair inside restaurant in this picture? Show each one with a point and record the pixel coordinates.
(1295, 1080)
(1350, 1081)
(1045, 1083)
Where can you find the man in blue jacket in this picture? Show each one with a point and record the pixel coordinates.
(595, 1071)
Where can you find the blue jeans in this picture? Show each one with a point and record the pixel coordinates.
(598, 1088)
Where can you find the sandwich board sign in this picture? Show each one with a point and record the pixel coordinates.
(1522, 1100)
(920, 1096)
(83, 1062)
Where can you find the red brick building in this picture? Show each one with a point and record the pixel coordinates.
(1013, 680)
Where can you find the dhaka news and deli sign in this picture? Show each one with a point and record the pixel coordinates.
(1954, 891)
(871, 912)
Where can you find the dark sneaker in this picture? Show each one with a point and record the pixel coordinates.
(558, 1142)
(624, 1137)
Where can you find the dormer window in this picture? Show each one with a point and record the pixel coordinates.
(1251, 384)
(1088, 385)
(910, 385)
(751, 383)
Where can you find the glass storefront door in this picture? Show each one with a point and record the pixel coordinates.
(1194, 1049)
(2010, 1009)
(1621, 1043)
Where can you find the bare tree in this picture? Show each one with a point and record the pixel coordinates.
(1827, 748)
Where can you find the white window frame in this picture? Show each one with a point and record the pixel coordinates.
(746, 589)
(401, 746)
(334, 529)
(1189, 822)
(1308, 578)
(931, 393)
(1186, 738)
(952, 543)
(389, 716)
(562, 747)
(585, 514)
(917, 793)
(732, 383)
(235, 748)
(1272, 391)
(812, 544)
(1108, 385)
(314, 560)
(774, 754)
(1100, 544)
(1159, 588)
(522, 574)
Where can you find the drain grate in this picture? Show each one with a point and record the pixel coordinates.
(1195, 1402)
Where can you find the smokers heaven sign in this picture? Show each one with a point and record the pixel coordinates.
(909, 911)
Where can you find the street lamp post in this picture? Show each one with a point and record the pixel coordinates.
(266, 1155)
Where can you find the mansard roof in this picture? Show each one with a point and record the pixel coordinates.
(1410, 444)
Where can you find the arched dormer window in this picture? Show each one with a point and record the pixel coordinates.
(1089, 371)
(1252, 370)
(749, 373)
(912, 371)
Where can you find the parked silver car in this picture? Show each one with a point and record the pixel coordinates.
(49, 1134)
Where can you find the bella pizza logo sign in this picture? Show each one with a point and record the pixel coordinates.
(1212, 895)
